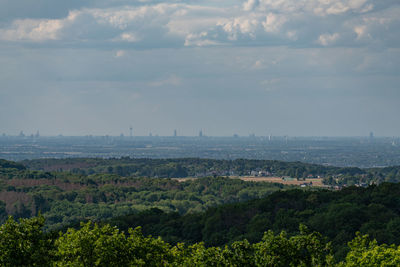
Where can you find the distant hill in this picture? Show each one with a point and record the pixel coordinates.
(6, 164)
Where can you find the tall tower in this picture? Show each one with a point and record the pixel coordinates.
(371, 137)
(201, 133)
(175, 133)
(131, 131)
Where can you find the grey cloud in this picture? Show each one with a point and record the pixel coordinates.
(53, 9)
(39, 9)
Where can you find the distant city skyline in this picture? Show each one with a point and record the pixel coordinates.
(268, 136)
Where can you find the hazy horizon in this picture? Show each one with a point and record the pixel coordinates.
(234, 135)
(296, 68)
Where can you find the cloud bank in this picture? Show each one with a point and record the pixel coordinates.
(149, 24)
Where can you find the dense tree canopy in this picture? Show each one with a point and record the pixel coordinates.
(336, 214)
(65, 197)
(195, 167)
(203, 221)
(24, 243)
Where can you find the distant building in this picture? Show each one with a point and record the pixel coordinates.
(200, 133)
(175, 133)
(254, 173)
(264, 173)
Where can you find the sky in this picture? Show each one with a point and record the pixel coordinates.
(280, 67)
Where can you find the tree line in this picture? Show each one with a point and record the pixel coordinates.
(196, 167)
(338, 215)
(64, 198)
(24, 243)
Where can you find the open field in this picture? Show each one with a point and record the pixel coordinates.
(314, 181)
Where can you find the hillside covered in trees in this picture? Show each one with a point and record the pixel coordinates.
(71, 190)
(65, 197)
(337, 215)
(221, 220)
(195, 167)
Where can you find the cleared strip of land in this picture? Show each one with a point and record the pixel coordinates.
(309, 182)
(312, 181)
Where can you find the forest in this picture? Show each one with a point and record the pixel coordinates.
(338, 215)
(64, 198)
(196, 167)
(201, 221)
(24, 243)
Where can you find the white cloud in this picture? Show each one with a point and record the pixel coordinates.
(361, 31)
(337, 8)
(328, 39)
(176, 24)
(34, 30)
(240, 25)
(273, 22)
(200, 39)
(250, 4)
(129, 37)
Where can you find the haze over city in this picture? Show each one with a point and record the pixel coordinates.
(298, 68)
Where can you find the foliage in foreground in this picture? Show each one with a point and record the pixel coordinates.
(24, 243)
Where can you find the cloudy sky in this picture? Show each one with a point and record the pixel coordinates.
(280, 67)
